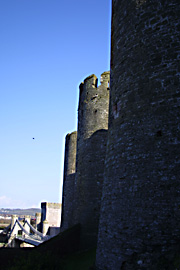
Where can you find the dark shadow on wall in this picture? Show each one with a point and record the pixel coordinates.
(68, 202)
(88, 189)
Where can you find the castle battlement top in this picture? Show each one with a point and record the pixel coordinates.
(50, 205)
(70, 134)
(93, 76)
(90, 92)
(92, 80)
(105, 77)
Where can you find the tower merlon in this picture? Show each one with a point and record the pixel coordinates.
(90, 81)
(105, 78)
(71, 134)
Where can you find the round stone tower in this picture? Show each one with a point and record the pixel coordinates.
(140, 215)
(69, 179)
(93, 106)
(91, 148)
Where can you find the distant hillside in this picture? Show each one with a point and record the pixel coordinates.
(29, 211)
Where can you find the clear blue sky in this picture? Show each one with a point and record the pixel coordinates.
(47, 47)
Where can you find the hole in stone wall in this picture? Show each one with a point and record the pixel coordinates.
(95, 96)
(115, 108)
(95, 111)
(96, 83)
(159, 133)
(123, 265)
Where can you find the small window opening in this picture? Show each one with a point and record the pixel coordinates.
(20, 232)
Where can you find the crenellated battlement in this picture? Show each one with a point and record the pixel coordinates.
(71, 134)
(87, 85)
(90, 91)
(105, 78)
(92, 81)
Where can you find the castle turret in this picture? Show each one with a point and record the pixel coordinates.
(91, 147)
(69, 179)
(140, 215)
(93, 106)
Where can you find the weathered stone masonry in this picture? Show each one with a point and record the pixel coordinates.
(81, 198)
(140, 216)
(69, 179)
(50, 217)
(140, 203)
(93, 114)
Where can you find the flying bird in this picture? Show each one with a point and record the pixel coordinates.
(33, 138)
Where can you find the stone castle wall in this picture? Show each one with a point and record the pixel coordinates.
(81, 199)
(140, 216)
(93, 114)
(136, 157)
(51, 213)
(69, 181)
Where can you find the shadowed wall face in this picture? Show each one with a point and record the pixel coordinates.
(139, 224)
(91, 149)
(69, 179)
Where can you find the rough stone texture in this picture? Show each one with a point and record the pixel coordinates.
(140, 215)
(91, 148)
(69, 180)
